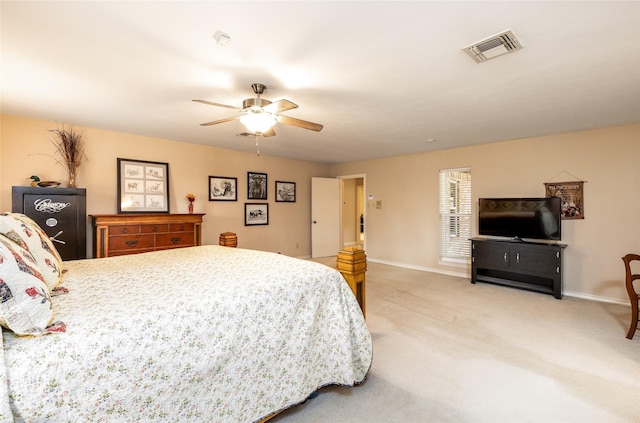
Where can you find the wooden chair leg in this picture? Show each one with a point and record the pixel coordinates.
(634, 319)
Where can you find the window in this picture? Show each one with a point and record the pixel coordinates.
(455, 214)
(454, 205)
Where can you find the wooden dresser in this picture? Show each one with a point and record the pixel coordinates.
(120, 234)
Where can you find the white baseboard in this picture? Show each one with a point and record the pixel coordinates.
(422, 268)
(596, 298)
(468, 276)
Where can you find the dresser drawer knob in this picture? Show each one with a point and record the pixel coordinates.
(175, 240)
(125, 230)
(155, 229)
(132, 243)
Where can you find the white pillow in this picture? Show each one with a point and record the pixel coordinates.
(27, 234)
(25, 301)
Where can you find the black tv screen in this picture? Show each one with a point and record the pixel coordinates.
(518, 218)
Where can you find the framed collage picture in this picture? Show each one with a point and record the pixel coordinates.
(143, 186)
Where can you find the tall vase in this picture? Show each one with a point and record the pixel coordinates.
(73, 174)
(190, 207)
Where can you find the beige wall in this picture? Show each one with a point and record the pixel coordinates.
(405, 230)
(25, 150)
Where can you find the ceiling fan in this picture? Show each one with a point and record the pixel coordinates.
(260, 115)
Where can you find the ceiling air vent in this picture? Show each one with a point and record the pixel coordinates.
(494, 46)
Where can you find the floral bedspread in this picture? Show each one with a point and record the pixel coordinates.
(188, 335)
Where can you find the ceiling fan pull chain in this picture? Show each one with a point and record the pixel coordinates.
(257, 146)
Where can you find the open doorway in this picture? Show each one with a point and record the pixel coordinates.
(353, 211)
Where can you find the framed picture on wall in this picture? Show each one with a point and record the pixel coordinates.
(256, 186)
(223, 188)
(256, 214)
(143, 186)
(285, 192)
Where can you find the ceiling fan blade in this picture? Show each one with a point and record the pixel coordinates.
(215, 122)
(269, 133)
(280, 106)
(211, 103)
(300, 123)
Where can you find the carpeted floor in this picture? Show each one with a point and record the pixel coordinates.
(449, 351)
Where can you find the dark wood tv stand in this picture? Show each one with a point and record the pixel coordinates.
(525, 265)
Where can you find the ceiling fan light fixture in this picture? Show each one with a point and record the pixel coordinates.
(259, 122)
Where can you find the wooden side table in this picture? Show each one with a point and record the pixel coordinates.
(352, 264)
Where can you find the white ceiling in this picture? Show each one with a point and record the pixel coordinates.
(382, 77)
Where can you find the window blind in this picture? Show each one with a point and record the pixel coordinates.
(455, 213)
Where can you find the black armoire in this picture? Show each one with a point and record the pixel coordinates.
(61, 212)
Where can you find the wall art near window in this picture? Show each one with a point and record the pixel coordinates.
(285, 192)
(257, 186)
(572, 196)
(256, 214)
(223, 188)
(143, 187)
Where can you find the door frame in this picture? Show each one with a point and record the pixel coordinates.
(362, 176)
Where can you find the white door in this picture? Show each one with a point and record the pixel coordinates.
(325, 217)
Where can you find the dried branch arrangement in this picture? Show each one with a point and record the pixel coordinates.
(70, 145)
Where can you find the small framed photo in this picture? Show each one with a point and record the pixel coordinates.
(285, 192)
(143, 187)
(256, 186)
(256, 214)
(223, 188)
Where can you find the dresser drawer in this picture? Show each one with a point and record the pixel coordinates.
(176, 239)
(181, 227)
(131, 242)
(154, 229)
(124, 230)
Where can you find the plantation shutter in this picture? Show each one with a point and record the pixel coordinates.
(455, 214)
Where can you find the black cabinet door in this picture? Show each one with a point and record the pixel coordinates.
(538, 260)
(492, 255)
(61, 212)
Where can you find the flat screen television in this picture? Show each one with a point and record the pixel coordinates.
(520, 218)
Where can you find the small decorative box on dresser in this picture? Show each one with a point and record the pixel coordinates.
(120, 234)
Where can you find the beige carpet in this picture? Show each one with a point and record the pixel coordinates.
(449, 351)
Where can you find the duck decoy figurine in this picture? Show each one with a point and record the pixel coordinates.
(36, 182)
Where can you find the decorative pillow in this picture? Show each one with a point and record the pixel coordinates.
(27, 234)
(25, 302)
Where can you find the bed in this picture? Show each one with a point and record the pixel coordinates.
(206, 333)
